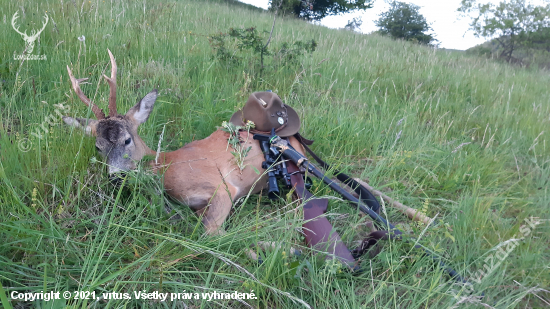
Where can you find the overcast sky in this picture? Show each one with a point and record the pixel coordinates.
(450, 29)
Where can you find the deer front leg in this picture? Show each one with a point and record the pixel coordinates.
(217, 211)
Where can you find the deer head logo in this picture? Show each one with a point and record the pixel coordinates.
(29, 39)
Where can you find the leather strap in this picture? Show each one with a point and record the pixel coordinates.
(319, 232)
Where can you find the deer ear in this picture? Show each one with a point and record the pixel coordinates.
(140, 112)
(87, 125)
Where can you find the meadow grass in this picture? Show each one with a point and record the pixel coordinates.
(462, 138)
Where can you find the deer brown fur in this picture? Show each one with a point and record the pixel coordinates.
(202, 174)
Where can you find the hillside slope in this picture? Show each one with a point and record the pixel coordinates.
(537, 56)
(460, 137)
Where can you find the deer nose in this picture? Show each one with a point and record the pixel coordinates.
(113, 170)
(117, 178)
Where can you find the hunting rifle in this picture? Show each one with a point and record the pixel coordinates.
(319, 233)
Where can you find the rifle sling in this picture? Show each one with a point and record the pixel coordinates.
(318, 231)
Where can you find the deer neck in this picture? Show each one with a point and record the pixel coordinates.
(142, 148)
(157, 162)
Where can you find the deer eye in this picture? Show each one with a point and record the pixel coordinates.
(128, 141)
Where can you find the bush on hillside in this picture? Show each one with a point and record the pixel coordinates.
(404, 21)
(240, 45)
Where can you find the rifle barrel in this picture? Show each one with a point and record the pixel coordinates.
(294, 156)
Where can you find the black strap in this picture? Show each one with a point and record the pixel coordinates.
(364, 195)
(369, 242)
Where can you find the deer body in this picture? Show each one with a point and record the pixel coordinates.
(202, 174)
(203, 167)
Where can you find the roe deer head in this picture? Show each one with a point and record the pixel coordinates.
(202, 174)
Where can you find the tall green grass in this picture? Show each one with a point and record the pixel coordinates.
(463, 138)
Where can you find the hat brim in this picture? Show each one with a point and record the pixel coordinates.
(292, 126)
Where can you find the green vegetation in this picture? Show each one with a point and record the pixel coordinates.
(404, 21)
(462, 138)
(526, 56)
(247, 45)
(318, 9)
(239, 152)
(520, 31)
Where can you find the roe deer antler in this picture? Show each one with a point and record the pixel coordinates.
(112, 86)
(76, 87)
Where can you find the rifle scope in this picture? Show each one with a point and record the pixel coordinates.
(268, 165)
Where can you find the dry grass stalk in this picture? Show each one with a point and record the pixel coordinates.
(410, 212)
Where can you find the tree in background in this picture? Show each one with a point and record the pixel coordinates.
(513, 24)
(354, 24)
(403, 21)
(318, 9)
